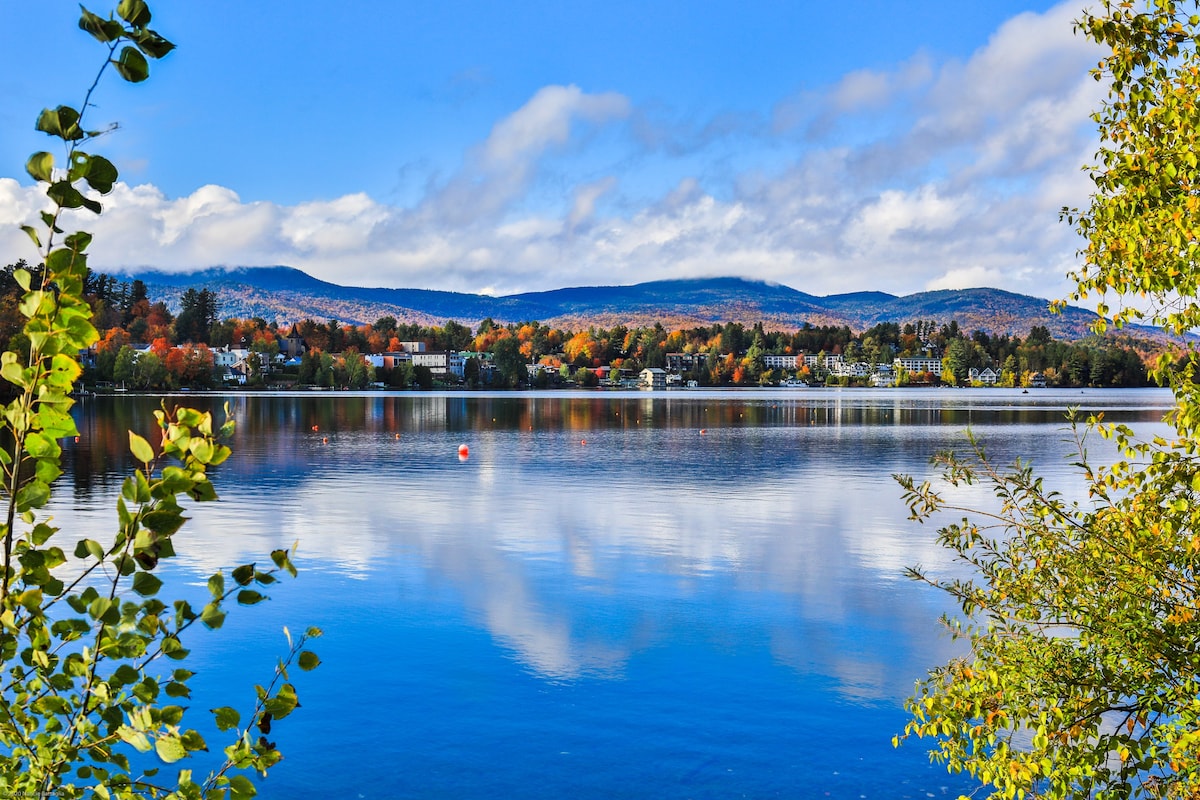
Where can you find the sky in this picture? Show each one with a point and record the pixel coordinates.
(525, 146)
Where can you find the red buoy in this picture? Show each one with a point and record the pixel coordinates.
(463, 451)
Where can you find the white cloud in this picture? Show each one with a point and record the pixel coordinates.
(546, 120)
(897, 214)
(965, 278)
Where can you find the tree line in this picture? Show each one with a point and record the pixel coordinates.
(731, 354)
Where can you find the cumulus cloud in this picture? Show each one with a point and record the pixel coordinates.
(930, 175)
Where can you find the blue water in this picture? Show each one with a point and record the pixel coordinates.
(679, 595)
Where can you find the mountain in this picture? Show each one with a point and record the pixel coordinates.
(286, 295)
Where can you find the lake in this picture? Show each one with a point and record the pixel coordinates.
(617, 595)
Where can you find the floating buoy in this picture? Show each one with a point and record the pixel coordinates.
(397, 436)
(324, 440)
(76, 439)
(463, 451)
(703, 431)
(315, 427)
(583, 441)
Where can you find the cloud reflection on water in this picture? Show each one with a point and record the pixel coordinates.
(576, 558)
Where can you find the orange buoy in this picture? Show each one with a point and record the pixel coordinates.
(463, 451)
(583, 441)
(325, 440)
(76, 438)
(703, 431)
(315, 427)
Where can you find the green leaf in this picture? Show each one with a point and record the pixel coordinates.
(169, 748)
(134, 737)
(64, 194)
(62, 122)
(40, 166)
(34, 494)
(125, 675)
(101, 174)
(177, 689)
(146, 584)
(283, 703)
(240, 788)
(153, 45)
(309, 660)
(212, 616)
(216, 584)
(39, 445)
(132, 65)
(283, 561)
(135, 12)
(244, 574)
(140, 448)
(104, 30)
(249, 597)
(227, 718)
(32, 233)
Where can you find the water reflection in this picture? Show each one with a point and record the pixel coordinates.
(578, 520)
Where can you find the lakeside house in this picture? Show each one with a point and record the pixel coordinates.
(440, 362)
(653, 378)
(986, 376)
(933, 365)
(686, 362)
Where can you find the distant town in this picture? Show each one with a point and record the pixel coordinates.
(144, 346)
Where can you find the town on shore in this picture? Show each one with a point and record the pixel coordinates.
(144, 345)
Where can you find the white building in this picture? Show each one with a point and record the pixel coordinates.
(440, 362)
(987, 376)
(933, 365)
(783, 362)
(653, 378)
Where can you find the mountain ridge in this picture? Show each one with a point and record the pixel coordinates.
(286, 294)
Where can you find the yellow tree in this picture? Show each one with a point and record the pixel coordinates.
(1084, 619)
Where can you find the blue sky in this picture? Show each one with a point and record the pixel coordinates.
(525, 146)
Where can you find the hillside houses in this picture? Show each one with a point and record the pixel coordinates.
(402, 355)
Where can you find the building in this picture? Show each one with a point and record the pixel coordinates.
(652, 378)
(856, 369)
(292, 345)
(986, 376)
(783, 362)
(229, 357)
(933, 365)
(439, 362)
(686, 362)
(388, 361)
(815, 360)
